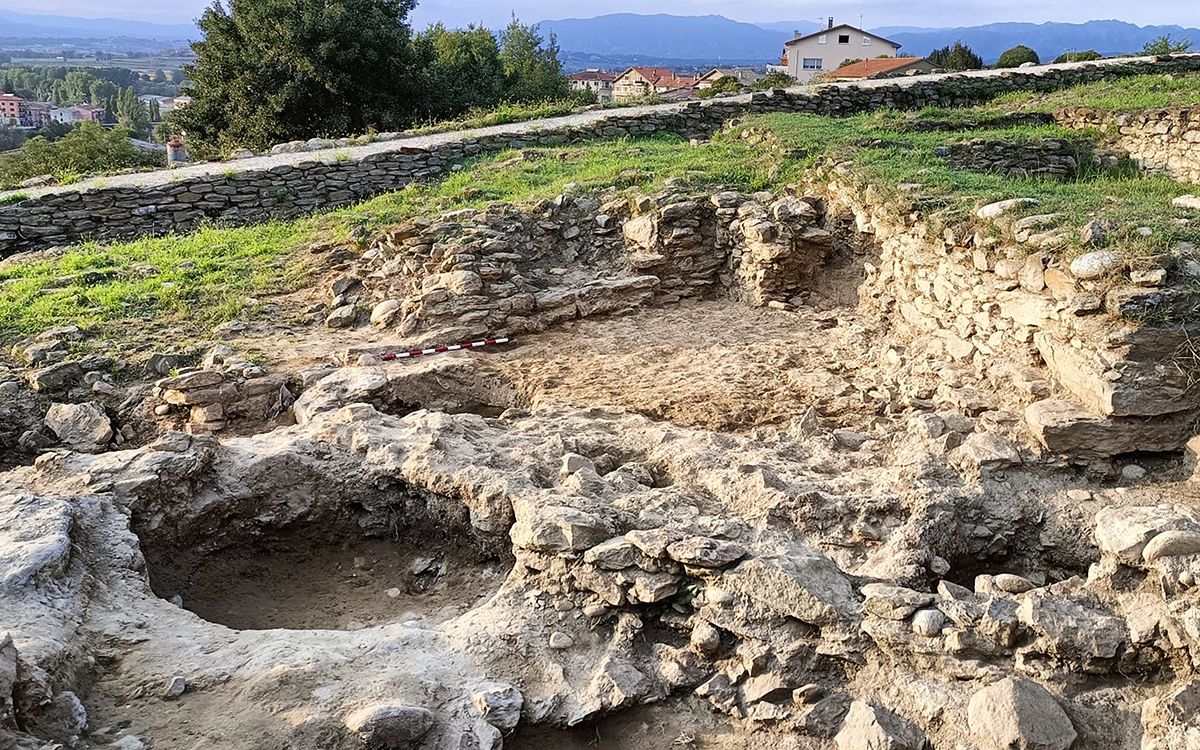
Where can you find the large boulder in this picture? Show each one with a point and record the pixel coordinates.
(1016, 714)
(390, 726)
(81, 427)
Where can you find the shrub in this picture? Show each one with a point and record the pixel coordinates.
(87, 148)
(1018, 56)
(776, 79)
(1075, 56)
(1165, 45)
(723, 85)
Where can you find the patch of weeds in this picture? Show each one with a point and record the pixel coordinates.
(11, 198)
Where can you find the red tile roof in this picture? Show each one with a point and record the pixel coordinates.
(874, 66)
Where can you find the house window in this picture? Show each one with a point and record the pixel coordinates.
(843, 38)
(866, 41)
(813, 63)
(821, 39)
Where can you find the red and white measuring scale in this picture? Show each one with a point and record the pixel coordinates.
(439, 349)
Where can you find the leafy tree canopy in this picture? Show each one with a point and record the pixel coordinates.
(1018, 56)
(276, 70)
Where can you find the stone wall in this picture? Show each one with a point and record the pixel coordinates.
(511, 269)
(1099, 381)
(1165, 141)
(253, 190)
(1050, 158)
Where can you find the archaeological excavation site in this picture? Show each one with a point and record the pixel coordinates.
(858, 417)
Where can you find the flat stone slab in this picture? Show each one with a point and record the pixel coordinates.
(1065, 427)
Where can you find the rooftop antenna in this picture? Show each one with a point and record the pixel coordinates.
(860, 17)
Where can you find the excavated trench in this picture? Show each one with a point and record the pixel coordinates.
(301, 579)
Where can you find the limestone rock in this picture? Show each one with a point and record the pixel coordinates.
(868, 727)
(390, 726)
(928, 622)
(342, 317)
(499, 704)
(704, 552)
(385, 312)
(82, 427)
(795, 582)
(559, 529)
(1016, 714)
(1064, 427)
(1175, 543)
(1187, 201)
(1123, 532)
(999, 208)
(1097, 263)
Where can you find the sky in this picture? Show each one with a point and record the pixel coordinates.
(929, 13)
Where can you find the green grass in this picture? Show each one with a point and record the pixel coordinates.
(194, 281)
(1122, 95)
(500, 115)
(201, 279)
(890, 157)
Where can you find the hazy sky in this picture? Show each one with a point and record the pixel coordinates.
(931, 13)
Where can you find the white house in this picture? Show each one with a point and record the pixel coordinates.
(809, 55)
(63, 115)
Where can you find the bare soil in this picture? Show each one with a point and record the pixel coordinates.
(292, 583)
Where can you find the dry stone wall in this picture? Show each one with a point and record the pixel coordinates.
(1099, 380)
(515, 269)
(291, 185)
(1165, 141)
(1050, 158)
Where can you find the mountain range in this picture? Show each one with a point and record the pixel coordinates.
(718, 39)
(622, 39)
(37, 27)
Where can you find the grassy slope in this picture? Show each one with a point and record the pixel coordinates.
(197, 280)
(206, 277)
(1125, 94)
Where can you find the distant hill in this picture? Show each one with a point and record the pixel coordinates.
(624, 39)
(1049, 39)
(37, 27)
(662, 37)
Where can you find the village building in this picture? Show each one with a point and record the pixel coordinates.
(596, 81)
(811, 56)
(744, 76)
(639, 82)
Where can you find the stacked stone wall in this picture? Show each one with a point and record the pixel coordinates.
(1163, 141)
(258, 189)
(1099, 380)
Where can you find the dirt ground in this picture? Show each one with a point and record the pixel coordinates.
(293, 584)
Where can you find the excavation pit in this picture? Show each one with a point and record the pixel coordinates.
(293, 581)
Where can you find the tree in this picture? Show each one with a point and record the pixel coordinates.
(462, 70)
(11, 137)
(1076, 56)
(270, 71)
(1165, 45)
(1018, 56)
(532, 71)
(956, 57)
(132, 113)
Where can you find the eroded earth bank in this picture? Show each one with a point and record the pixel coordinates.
(793, 470)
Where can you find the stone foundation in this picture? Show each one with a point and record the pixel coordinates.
(1163, 141)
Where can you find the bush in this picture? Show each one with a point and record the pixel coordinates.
(723, 85)
(1018, 56)
(87, 148)
(776, 79)
(1074, 56)
(1165, 45)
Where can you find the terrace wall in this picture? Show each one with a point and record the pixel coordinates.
(1165, 141)
(291, 185)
